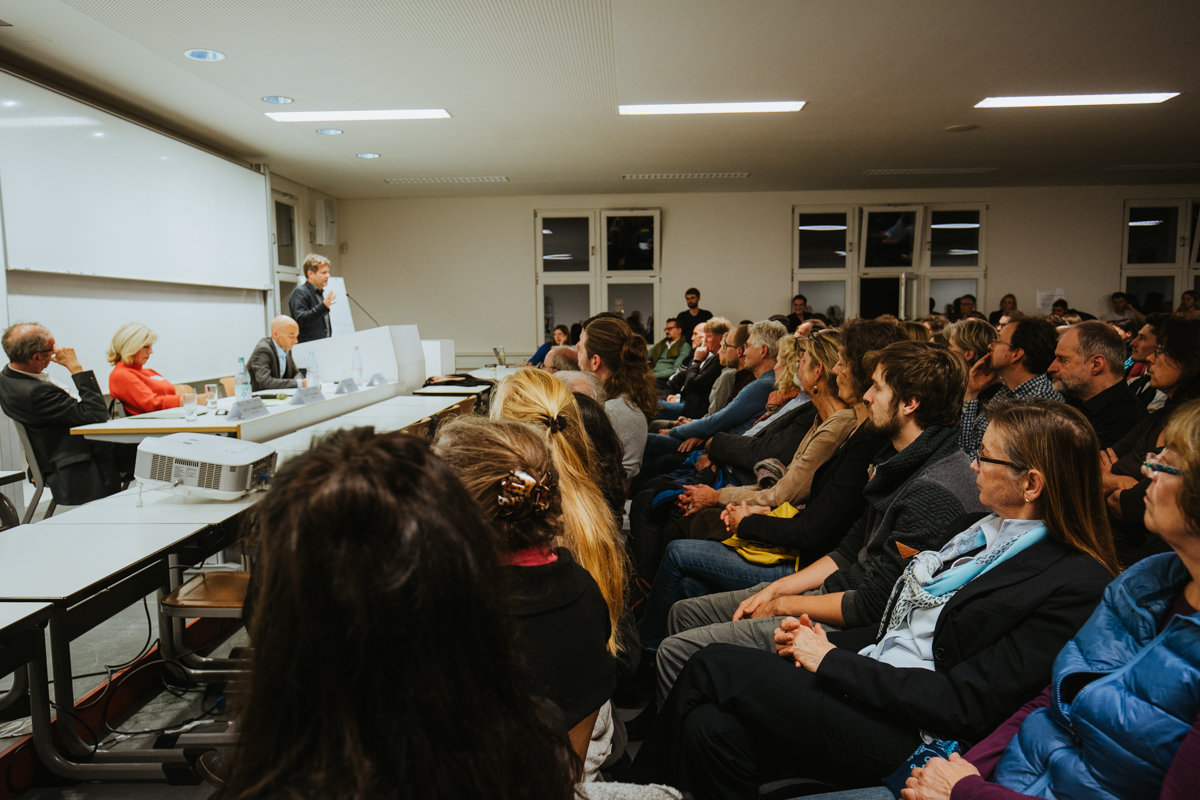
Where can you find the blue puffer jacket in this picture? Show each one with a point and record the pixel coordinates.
(1124, 697)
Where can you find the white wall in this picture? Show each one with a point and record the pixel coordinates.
(464, 269)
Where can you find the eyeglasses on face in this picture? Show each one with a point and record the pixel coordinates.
(1155, 465)
(985, 459)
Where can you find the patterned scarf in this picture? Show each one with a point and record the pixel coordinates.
(917, 588)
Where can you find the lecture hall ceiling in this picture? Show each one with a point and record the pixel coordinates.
(533, 88)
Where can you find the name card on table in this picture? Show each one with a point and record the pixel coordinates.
(377, 380)
(307, 396)
(252, 408)
(347, 386)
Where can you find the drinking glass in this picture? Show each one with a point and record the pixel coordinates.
(188, 401)
(210, 396)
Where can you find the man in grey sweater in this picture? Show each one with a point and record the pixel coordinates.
(919, 484)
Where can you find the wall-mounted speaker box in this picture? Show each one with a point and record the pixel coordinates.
(326, 225)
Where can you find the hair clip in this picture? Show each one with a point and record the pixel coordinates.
(556, 424)
(520, 493)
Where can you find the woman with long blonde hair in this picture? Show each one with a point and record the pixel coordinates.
(589, 530)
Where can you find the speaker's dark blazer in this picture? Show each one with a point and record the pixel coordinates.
(993, 647)
(264, 368)
(306, 305)
(76, 469)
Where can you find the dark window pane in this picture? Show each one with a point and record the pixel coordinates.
(1152, 235)
(954, 239)
(1151, 293)
(825, 297)
(285, 234)
(564, 304)
(635, 302)
(630, 243)
(565, 244)
(822, 241)
(1195, 218)
(889, 238)
(878, 296)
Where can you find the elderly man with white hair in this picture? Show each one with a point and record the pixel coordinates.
(271, 365)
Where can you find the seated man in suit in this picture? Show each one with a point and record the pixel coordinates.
(271, 365)
(76, 469)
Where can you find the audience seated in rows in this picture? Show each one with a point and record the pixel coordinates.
(561, 357)
(1018, 360)
(1121, 714)
(668, 354)
(693, 386)
(1175, 371)
(617, 356)
(1141, 348)
(969, 632)
(919, 483)
(1008, 304)
(562, 620)
(1089, 371)
(137, 387)
(271, 365)
(385, 663)
(77, 470)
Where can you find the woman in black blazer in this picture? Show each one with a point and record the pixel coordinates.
(969, 634)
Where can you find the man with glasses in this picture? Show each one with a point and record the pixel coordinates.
(76, 469)
(666, 356)
(1018, 360)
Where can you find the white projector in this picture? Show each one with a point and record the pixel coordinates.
(204, 464)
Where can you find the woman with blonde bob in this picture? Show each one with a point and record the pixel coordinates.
(139, 389)
(589, 530)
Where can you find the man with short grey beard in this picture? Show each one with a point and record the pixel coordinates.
(1089, 371)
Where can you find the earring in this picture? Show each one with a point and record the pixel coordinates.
(1026, 499)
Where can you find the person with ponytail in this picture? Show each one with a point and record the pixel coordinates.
(609, 348)
(562, 620)
(589, 530)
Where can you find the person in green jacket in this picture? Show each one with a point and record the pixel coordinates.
(668, 354)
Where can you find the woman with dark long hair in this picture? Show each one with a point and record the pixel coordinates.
(383, 662)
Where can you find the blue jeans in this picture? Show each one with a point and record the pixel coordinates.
(694, 568)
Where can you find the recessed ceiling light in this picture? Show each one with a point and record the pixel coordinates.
(277, 99)
(358, 116)
(329, 131)
(204, 55)
(711, 108)
(368, 155)
(1075, 100)
(822, 227)
(952, 226)
(9, 103)
(98, 134)
(1144, 223)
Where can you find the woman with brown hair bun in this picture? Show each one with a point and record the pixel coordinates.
(610, 349)
(562, 620)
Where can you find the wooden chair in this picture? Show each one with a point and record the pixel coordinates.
(228, 385)
(424, 428)
(219, 594)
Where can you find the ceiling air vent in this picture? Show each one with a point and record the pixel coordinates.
(489, 179)
(671, 176)
(932, 171)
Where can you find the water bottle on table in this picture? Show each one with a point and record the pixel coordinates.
(241, 381)
(356, 366)
(313, 376)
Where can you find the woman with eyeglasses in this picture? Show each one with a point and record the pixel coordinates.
(969, 633)
(1175, 371)
(1121, 716)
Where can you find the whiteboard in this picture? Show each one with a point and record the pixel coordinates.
(201, 329)
(87, 193)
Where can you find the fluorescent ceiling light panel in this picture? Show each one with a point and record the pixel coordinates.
(1075, 100)
(483, 179)
(711, 108)
(953, 226)
(668, 176)
(1145, 223)
(558, 257)
(358, 116)
(822, 227)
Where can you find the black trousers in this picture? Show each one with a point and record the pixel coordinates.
(737, 718)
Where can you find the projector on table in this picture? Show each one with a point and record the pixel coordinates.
(204, 464)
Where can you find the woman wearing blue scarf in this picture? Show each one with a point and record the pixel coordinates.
(969, 634)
